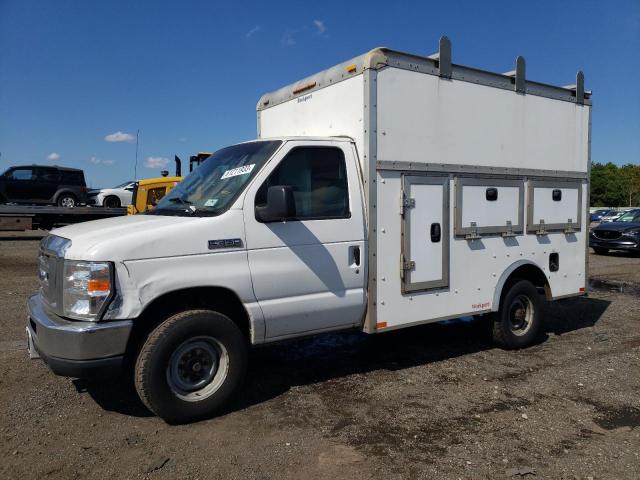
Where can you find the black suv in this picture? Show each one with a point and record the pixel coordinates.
(44, 185)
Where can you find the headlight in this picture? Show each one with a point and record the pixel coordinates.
(86, 289)
(635, 232)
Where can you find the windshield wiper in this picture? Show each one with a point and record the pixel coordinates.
(188, 204)
(181, 200)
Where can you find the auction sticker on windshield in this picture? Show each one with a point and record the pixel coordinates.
(234, 172)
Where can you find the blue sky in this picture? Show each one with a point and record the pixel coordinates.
(189, 73)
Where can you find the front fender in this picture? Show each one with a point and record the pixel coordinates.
(141, 282)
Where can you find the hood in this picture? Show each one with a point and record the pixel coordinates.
(617, 226)
(135, 237)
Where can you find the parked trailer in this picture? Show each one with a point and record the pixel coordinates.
(29, 217)
(389, 191)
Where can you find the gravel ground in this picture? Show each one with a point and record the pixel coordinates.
(436, 401)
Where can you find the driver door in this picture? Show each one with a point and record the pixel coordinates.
(307, 272)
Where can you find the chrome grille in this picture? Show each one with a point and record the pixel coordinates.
(607, 234)
(47, 273)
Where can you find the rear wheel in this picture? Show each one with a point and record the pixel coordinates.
(600, 250)
(111, 202)
(191, 365)
(67, 200)
(517, 323)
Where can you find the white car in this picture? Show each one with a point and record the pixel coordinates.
(112, 197)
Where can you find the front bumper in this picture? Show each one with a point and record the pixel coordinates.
(623, 243)
(75, 348)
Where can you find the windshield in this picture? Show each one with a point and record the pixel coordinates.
(210, 188)
(632, 216)
(122, 185)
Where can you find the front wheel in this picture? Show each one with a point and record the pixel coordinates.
(517, 323)
(191, 365)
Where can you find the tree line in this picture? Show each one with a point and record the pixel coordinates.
(615, 186)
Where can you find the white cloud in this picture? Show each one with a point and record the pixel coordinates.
(120, 137)
(182, 140)
(53, 156)
(98, 161)
(253, 31)
(320, 26)
(156, 162)
(288, 38)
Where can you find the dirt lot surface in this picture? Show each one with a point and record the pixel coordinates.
(437, 401)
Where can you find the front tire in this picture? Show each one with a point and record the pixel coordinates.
(600, 250)
(518, 322)
(191, 365)
(67, 200)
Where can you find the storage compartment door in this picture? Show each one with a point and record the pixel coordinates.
(425, 231)
(554, 206)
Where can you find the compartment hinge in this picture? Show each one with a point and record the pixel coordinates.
(473, 234)
(569, 228)
(509, 232)
(405, 266)
(541, 230)
(407, 203)
(408, 265)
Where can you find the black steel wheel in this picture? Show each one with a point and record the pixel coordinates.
(191, 365)
(517, 324)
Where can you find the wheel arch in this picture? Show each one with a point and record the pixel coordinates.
(63, 191)
(219, 299)
(522, 269)
(105, 197)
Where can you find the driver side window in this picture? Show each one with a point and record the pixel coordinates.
(318, 176)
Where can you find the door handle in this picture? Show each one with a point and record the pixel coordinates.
(356, 256)
(436, 232)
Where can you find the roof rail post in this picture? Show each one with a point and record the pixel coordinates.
(580, 87)
(521, 82)
(444, 57)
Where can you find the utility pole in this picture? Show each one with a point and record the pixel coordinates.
(135, 167)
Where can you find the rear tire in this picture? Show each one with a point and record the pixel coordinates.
(191, 365)
(600, 250)
(517, 323)
(67, 200)
(111, 202)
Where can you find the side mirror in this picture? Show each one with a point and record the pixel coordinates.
(280, 205)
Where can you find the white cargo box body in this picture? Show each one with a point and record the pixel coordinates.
(468, 174)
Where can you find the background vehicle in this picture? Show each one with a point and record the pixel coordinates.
(621, 234)
(614, 215)
(388, 191)
(147, 193)
(42, 184)
(112, 197)
(598, 214)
